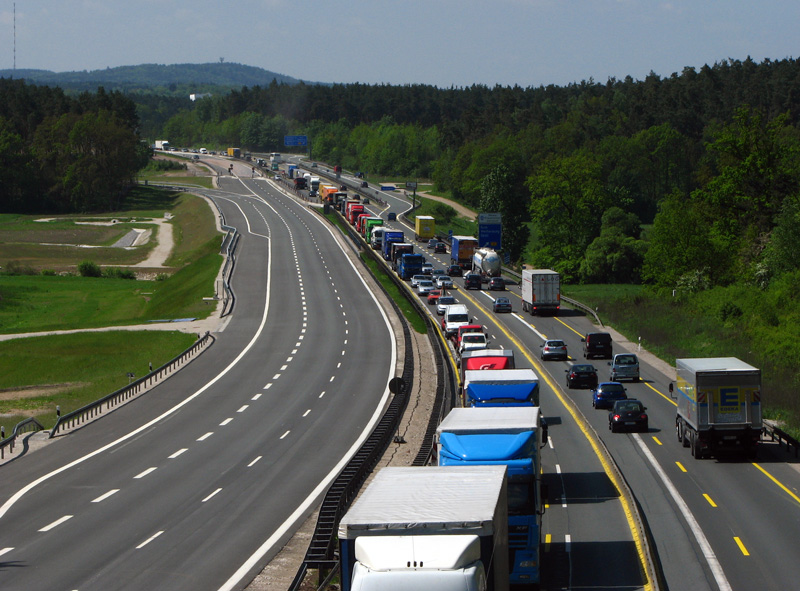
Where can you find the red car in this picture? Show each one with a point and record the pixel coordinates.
(433, 297)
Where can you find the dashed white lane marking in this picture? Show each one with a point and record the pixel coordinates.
(294, 351)
(268, 386)
(150, 539)
(5, 550)
(56, 523)
(256, 397)
(226, 421)
(285, 434)
(243, 408)
(305, 414)
(558, 468)
(179, 452)
(145, 473)
(284, 367)
(322, 394)
(289, 359)
(276, 376)
(340, 363)
(333, 378)
(206, 436)
(568, 542)
(102, 498)
(251, 464)
(209, 497)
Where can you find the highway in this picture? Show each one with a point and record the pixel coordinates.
(196, 484)
(715, 523)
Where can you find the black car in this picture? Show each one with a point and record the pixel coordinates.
(597, 344)
(607, 393)
(391, 216)
(440, 248)
(454, 271)
(364, 184)
(628, 414)
(582, 376)
(497, 284)
(472, 281)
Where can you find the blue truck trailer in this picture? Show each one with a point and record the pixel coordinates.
(390, 237)
(511, 437)
(501, 387)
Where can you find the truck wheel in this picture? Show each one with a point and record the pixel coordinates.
(695, 445)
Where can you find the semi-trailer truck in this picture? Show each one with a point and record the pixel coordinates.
(486, 262)
(410, 264)
(234, 152)
(501, 387)
(461, 250)
(391, 237)
(719, 406)
(397, 250)
(541, 291)
(511, 437)
(486, 359)
(370, 226)
(415, 528)
(424, 227)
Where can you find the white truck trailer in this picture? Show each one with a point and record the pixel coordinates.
(541, 291)
(432, 528)
(719, 406)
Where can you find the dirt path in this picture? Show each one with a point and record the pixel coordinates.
(462, 210)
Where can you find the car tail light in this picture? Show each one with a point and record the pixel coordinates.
(643, 416)
(616, 417)
(573, 375)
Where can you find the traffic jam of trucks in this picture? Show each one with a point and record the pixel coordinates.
(414, 528)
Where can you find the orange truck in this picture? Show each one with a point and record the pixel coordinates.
(326, 193)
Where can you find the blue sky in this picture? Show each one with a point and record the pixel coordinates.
(440, 42)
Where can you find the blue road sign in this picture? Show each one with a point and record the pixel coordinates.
(295, 140)
(490, 235)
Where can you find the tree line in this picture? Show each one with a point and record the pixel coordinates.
(62, 154)
(676, 180)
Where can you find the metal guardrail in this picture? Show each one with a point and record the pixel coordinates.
(229, 244)
(28, 425)
(96, 408)
(781, 436)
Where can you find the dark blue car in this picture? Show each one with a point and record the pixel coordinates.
(607, 393)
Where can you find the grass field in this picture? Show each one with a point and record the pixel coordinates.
(94, 364)
(72, 370)
(446, 217)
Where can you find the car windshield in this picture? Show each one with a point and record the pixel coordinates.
(501, 301)
(555, 344)
(628, 407)
(426, 283)
(583, 368)
(443, 301)
(473, 337)
(458, 318)
(612, 389)
(626, 360)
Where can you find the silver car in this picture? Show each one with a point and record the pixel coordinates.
(443, 302)
(624, 366)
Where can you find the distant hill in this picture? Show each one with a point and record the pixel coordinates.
(174, 79)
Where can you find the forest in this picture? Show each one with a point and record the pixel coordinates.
(61, 154)
(689, 180)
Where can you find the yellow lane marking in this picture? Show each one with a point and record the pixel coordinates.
(664, 396)
(568, 326)
(775, 480)
(710, 502)
(583, 426)
(656, 440)
(681, 466)
(547, 539)
(741, 546)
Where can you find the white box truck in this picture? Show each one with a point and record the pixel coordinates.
(431, 528)
(719, 405)
(541, 291)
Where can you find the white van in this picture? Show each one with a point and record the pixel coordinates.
(203, 151)
(454, 316)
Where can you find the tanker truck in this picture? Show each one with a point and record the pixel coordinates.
(486, 261)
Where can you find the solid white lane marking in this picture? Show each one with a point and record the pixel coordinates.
(179, 452)
(103, 497)
(525, 322)
(226, 421)
(206, 436)
(56, 523)
(285, 434)
(251, 464)
(243, 408)
(211, 495)
(702, 541)
(150, 539)
(145, 473)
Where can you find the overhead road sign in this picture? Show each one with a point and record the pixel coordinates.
(295, 140)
